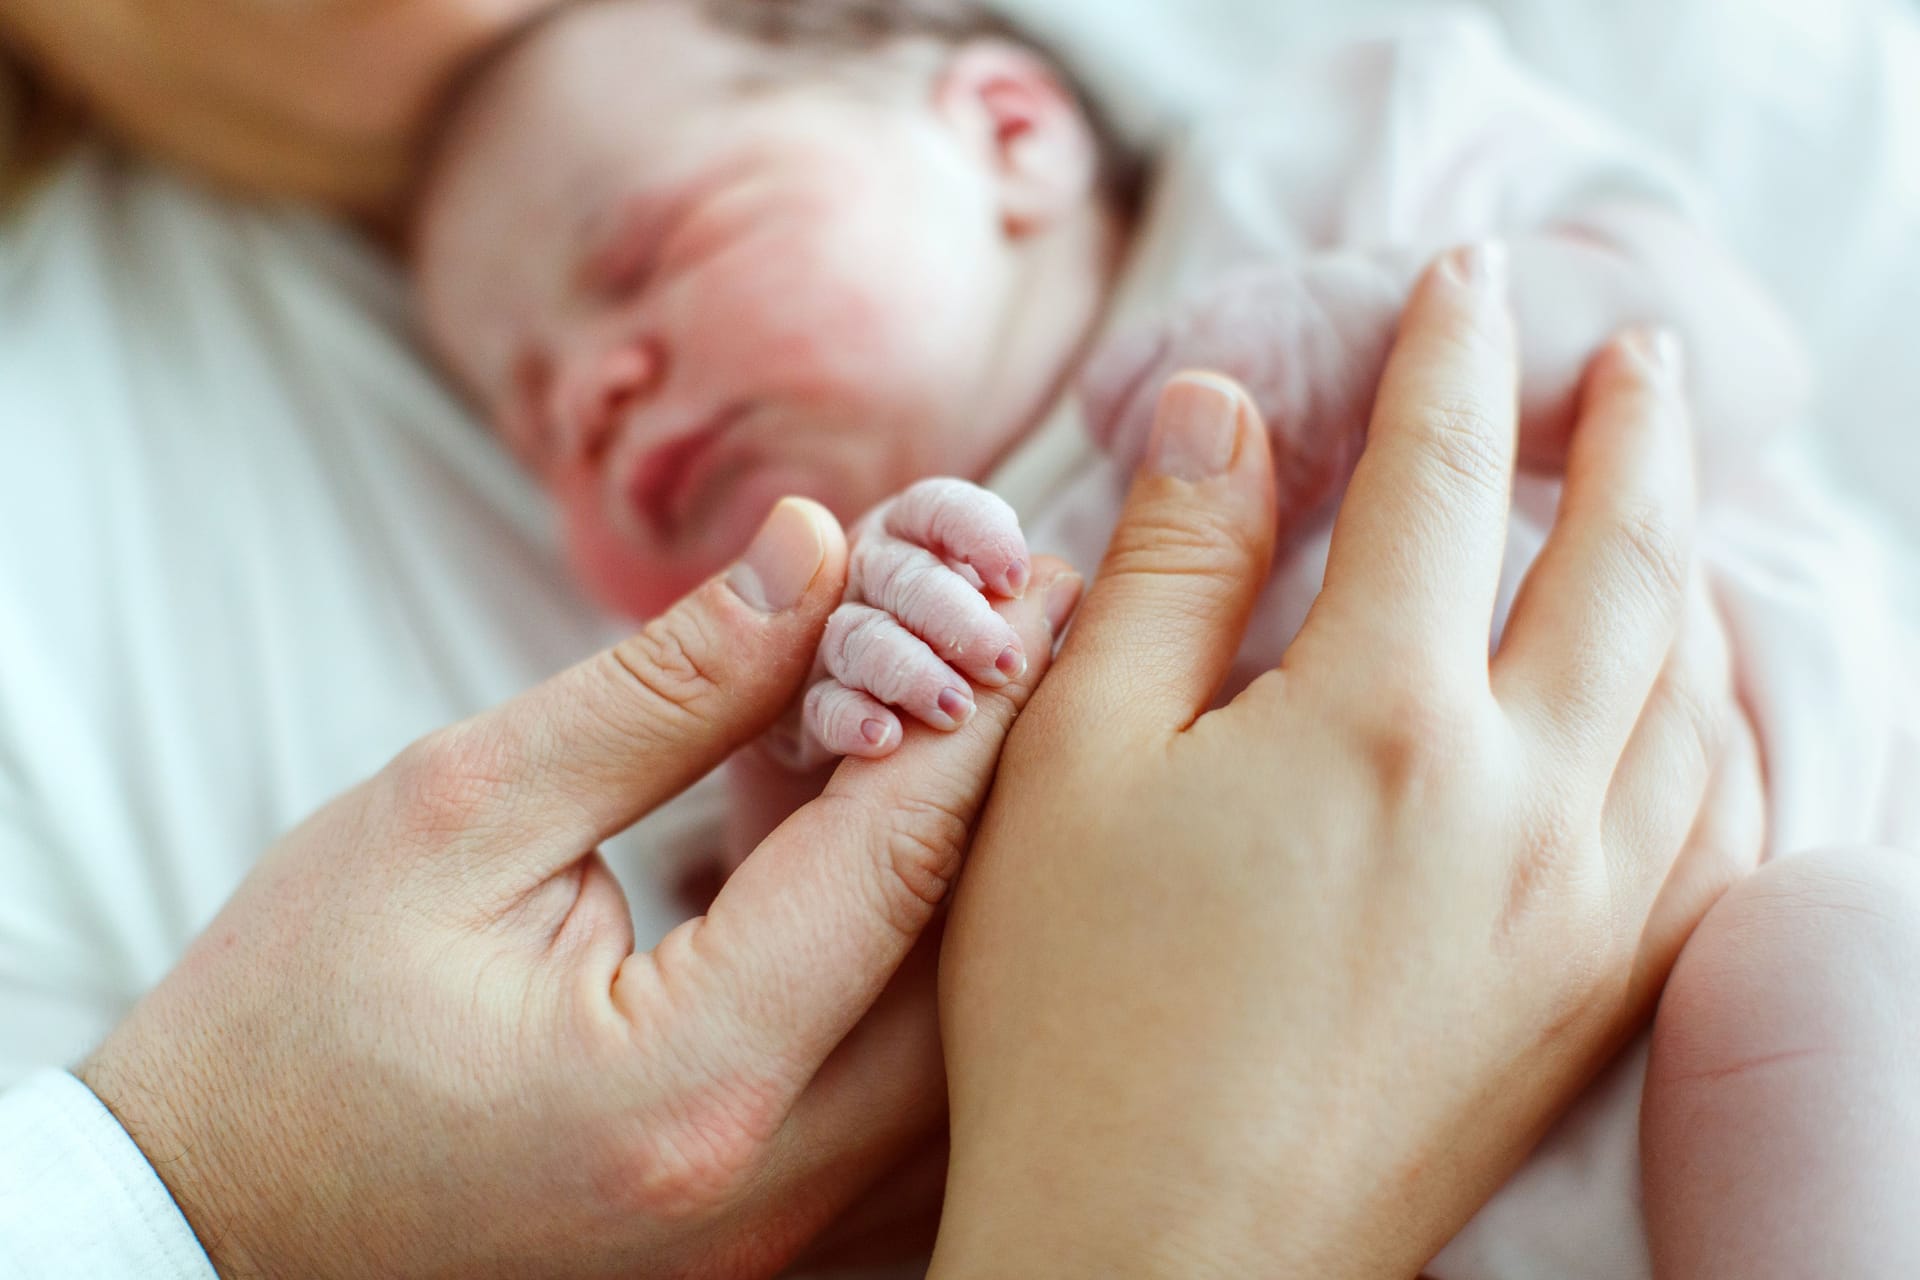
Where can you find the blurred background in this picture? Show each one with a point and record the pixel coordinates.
(1800, 119)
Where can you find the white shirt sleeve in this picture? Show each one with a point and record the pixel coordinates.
(78, 1200)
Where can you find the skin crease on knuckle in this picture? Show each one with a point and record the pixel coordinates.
(1646, 557)
(1422, 745)
(694, 1154)
(1182, 540)
(671, 661)
(1467, 448)
(925, 844)
(1546, 890)
(449, 786)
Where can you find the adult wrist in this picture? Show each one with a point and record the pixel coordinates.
(188, 1152)
(1157, 1214)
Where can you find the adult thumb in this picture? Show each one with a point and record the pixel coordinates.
(582, 757)
(813, 925)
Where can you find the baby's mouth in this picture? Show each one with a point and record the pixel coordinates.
(669, 478)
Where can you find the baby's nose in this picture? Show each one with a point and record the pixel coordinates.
(596, 401)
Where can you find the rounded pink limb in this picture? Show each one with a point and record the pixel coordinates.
(1781, 1125)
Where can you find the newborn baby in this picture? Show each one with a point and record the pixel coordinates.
(694, 255)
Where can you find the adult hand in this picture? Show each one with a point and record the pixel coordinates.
(419, 1040)
(1289, 987)
(321, 100)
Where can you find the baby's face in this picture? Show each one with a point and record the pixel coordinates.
(683, 286)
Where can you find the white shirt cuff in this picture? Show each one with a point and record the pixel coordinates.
(77, 1197)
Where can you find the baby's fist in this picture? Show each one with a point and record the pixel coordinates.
(917, 626)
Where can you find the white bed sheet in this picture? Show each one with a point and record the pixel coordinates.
(1800, 118)
(253, 548)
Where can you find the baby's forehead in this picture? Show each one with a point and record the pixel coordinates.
(633, 48)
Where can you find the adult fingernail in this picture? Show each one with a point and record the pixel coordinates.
(1197, 429)
(956, 706)
(1480, 267)
(786, 555)
(1063, 596)
(1660, 353)
(876, 732)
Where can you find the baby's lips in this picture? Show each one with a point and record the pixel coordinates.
(1113, 384)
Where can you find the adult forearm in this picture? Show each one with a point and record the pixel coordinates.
(317, 101)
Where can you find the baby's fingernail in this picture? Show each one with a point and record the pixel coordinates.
(1197, 429)
(956, 706)
(876, 732)
(1011, 663)
(786, 555)
(1063, 596)
(1480, 267)
(1018, 576)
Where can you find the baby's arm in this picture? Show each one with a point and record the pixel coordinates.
(1310, 339)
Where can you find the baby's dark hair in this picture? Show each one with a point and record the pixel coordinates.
(837, 28)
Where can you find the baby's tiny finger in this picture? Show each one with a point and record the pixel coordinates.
(966, 524)
(935, 603)
(867, 649)
(848, 722)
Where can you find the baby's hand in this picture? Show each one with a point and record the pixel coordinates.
(1309, 341)
(917, 625)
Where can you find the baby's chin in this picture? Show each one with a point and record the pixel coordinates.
(630, 585)
(642, 582)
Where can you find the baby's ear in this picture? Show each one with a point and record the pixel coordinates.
(1011, 106)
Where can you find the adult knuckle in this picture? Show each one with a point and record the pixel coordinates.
(673, 662)
(1553, 844)
(1163, 540)
(1648, 554)
(448, 784)
(1467, 449)
(1420, 741)
(926, 840)
(699, 1153)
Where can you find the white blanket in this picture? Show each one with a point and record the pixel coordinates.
(251, 547)
(1799, 118)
